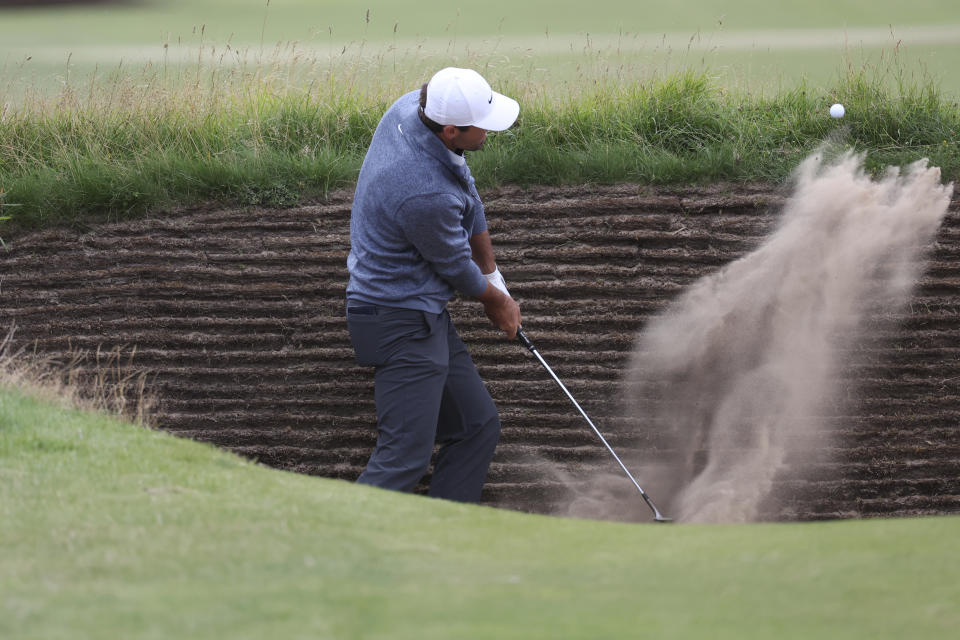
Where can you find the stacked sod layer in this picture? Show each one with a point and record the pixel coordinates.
(238, 315)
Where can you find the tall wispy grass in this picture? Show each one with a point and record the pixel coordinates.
(275, 130)
(105, 381)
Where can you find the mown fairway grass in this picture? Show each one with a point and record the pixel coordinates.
(111, 530)
(248, 21)
(551, 41)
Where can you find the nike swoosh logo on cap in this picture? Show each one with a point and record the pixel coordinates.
(490, 101)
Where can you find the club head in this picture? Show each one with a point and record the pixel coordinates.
(659, 517)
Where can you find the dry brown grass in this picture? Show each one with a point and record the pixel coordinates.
(104, 381)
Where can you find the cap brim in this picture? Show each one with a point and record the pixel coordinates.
(502, 116)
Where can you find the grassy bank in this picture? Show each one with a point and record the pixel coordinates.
(130, 144)
(111, 530)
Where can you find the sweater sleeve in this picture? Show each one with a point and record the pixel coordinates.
(479, 215)
(479, 220)
(433, 224)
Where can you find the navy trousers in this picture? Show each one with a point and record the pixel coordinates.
(428, 392)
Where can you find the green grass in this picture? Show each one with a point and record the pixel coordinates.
(249, 20)
(746, 44)
(111, 530)
(739, 41)
(250, 138)
(111, 111)
(340, 21)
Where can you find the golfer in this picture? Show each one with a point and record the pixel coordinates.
(418, 235)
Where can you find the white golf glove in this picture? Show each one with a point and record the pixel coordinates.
(496, 279)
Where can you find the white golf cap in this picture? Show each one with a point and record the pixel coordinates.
(462, 97)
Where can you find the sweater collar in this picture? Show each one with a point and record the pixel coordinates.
(414, 130)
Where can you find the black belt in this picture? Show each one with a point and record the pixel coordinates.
(363, 311)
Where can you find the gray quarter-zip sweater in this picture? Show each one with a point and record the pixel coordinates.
(413, 213)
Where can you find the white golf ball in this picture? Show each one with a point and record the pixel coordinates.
(837, 111)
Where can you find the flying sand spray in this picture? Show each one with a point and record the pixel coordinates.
(738, 370)
(525, 341)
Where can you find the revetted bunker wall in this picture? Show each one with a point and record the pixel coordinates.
(238, 314)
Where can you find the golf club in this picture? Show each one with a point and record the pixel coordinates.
(659, 517)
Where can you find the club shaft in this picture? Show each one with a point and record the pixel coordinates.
(529, 345)
(590, 422)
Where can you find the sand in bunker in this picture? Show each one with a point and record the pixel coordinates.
(738, 369)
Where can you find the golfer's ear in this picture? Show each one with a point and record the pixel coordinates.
(448, 132)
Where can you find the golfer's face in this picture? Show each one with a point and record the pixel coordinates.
(470, 140)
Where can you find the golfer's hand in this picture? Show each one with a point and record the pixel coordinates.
(503, 311)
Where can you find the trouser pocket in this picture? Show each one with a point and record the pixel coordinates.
(377, 332)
